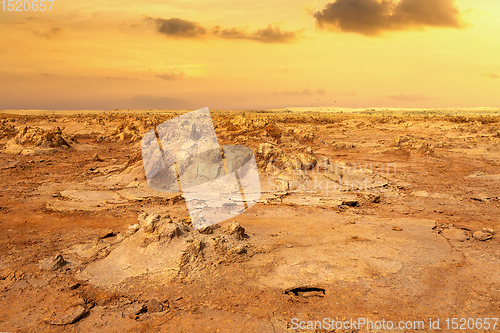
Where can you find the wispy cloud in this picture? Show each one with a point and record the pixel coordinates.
(172, 75)
(271, 34)
(176, 27)
(48, 34)
(180, 28)
(372, 17)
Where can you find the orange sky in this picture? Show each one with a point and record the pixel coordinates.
(244, 54)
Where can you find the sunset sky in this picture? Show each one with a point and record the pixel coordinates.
(244, 54)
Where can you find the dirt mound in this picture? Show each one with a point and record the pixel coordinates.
(163, 249)
(302, 158)
(6, 130)
(35, 140)
(128, 131)
(407, 146)
(305, 136)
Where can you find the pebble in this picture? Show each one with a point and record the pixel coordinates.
(482, 236)
(68, 317)
(153, 306)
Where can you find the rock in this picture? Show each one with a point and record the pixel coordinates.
(453, 234)
(482, 236)
(153, 306)
(402, 185)
(395, 228)
(208, 230)
(132, 230)
(29, 138)
(265, 151)
(96, 158)
(240, 249)
(70, 316)
(490, 230)
(53, 264)
(170, 231)
(134, 310)
(351, 201)
(273, 131)
(149, 222)
(192, 253)
(308, 159)
(106, 233)
(306, 136)
(236, 230)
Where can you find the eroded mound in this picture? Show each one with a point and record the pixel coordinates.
(7, 130)
(35, 140)
(164, 250)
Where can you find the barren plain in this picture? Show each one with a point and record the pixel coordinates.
(379, 215)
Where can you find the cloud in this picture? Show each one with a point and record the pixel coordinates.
(303, 92)
(47, 34)
(372, 17)
(493, 76)
(271, 34)
(172, 75)
(320, 91)
(176, 27)
(150, 102)
(179, 28)
(409, 98)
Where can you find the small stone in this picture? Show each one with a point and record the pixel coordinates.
(396, 228)
(96, 158)
(149, 222)
(171, 231)
(73, 286)
(236, 230)
(350, 201)
(153, 306)
(134, 310)
(58, 262)
(482, 236)
(69, 317)
(490, 230)
(240, 249)
(208, 230)
(132, 230)
(106, 233)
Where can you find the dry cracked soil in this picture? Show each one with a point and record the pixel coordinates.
(379, 215)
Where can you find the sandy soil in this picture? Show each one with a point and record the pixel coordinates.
(363, 215)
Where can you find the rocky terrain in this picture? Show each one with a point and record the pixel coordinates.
(380, 215)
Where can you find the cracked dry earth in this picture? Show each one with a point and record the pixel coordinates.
(373, 215)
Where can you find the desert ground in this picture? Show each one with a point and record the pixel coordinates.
(382, 215)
